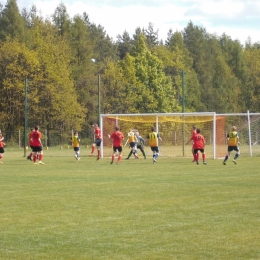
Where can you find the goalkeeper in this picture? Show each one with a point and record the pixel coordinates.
(140, 145)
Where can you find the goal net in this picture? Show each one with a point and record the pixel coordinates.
(248, 128)
(175, 130)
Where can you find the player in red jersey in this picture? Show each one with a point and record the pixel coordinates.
(194, 132)
(2, 144)
(29, 157)
(97, 142)
(37, 145)
(199, 145)
(118, 138)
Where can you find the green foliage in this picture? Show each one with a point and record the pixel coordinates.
(177, 59)
(124, 44)
(139, 83)
(61, 20)
(139, 74)
(151, 36)
(251, 89)
(17, 63)
(11, 22)
(56, 89)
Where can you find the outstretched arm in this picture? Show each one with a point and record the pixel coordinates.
(189, 141)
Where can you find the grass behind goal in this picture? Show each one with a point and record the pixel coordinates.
(136, 210)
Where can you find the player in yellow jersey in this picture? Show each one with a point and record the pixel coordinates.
(233, 142)
(154, 138)
(132, 140)
(140, 145)
(75, 140)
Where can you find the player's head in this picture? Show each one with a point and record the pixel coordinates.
(76, 133)
(194, 127)
(152, 128)
(198, 130)
(234, 128)
(36, 128)
(137, 133)
(117, 128)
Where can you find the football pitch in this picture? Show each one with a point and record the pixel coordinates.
(88, 209)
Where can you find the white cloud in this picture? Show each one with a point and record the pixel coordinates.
(221, 8)
(238, 19)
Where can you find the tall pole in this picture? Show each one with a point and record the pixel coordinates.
(183, 110)
(99, 105)
(25, 114)
(183, 93)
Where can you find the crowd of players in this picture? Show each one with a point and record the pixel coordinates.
(135, 142)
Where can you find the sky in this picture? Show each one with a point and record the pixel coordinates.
(239, 19)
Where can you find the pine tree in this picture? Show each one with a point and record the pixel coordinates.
(11, 22)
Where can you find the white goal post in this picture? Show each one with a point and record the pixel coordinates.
(176, 129)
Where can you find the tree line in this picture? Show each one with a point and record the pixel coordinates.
(139, 73)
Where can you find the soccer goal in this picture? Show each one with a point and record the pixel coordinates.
(176, 129)
(248, 128)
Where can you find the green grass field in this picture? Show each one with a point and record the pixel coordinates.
(90, 209)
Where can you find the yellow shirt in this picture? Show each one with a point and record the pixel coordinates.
(153, 139)
(131, 137)
(75, 141)
(232, 138)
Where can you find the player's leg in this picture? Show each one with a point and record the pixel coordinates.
(135, 152)
(203, 157)
(98, 143)
(154, 159)
(129, 155)
(40, 152)
(134, 149)
(75, 151)
(78, 153)
(236, 155)
(1, 154)
(153, 150)
(155, 154)
(142, 150)
(40, 157)
(227, 155)
(34, 154)
(119, 157)
(120, 150)
(98, 153)
(196, 155)
(93, 149)
(113, 155)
